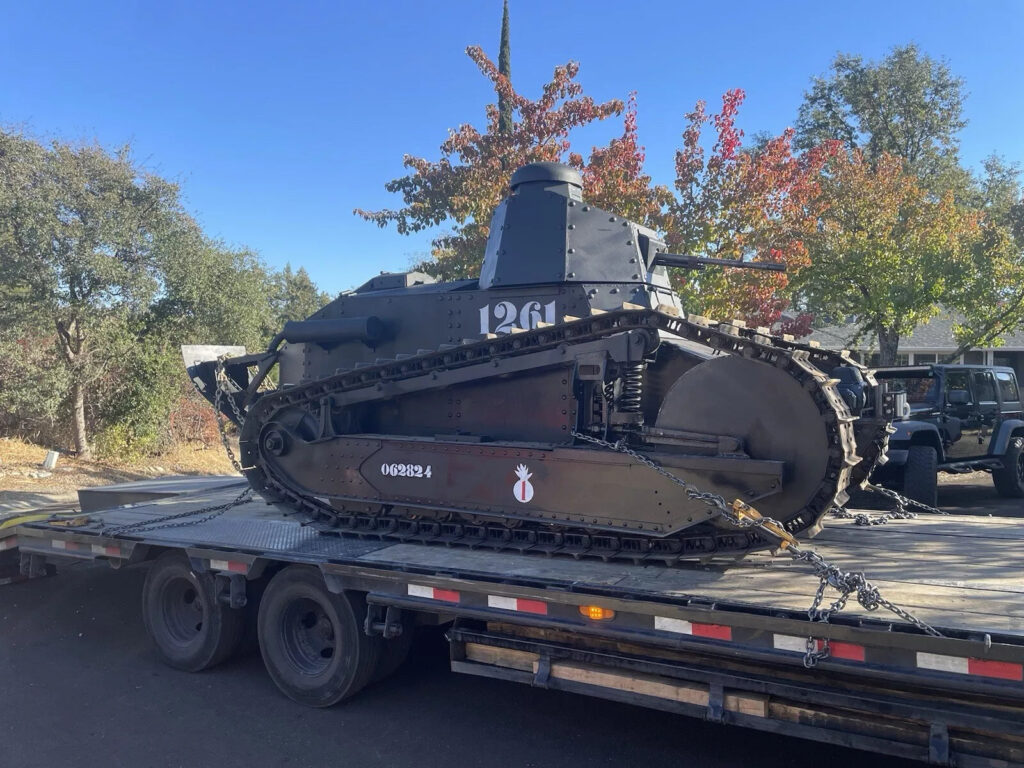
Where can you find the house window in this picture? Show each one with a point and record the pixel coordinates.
(921, 358)
(974, 357)
(902, 360)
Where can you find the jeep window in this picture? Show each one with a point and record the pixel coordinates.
(1007, 387)
(958, 380)
(985, 386)
(919, 389)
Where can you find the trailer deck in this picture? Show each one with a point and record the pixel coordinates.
(724, 641)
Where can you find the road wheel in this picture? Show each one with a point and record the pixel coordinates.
(312, 640)
(191, 629)
(1009, 480)
(920, 475)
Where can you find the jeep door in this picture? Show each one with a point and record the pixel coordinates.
(961, 416)
(988, 411)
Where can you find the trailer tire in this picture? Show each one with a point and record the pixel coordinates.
(312, 640)
(190, 628)
(1009, 480)
(394, 652)
(921, 476)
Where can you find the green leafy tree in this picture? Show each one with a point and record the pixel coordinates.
(992, 304)
(907, 105)
(505, 69)
(296, 295)
(80, 242)
(886, 251)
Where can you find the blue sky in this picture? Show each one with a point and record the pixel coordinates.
(278, 119)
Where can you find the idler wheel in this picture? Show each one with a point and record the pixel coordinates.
(774, 415)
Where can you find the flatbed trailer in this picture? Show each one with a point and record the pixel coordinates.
(731, 643)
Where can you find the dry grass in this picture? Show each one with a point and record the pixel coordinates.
(20, 460)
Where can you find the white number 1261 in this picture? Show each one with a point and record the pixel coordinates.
(505, 313)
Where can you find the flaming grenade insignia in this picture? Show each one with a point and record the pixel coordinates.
(523, 488)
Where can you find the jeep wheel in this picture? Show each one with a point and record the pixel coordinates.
(1009, 480)
(920, 475)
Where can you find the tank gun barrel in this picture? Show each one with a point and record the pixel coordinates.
(685, 261)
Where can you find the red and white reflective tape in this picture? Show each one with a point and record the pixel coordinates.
(78, 546)
(697, 629)
(517, 604)
(836, 649)
(961, 665)
(229, 565)
(433, 593)
(9, 543)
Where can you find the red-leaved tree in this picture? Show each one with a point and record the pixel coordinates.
(754, 203)
(614, 178)
(471, 178)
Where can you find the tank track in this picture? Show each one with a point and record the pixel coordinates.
(806, 363)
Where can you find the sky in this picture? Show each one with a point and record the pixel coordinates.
(278, 119)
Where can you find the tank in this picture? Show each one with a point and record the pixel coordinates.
(550, 405)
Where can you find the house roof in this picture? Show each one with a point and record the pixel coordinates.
(934, 336)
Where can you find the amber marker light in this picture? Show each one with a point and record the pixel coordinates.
(597, 613)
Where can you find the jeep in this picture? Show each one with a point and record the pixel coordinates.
(955, 418)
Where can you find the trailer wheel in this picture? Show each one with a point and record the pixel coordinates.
(312, 640)
(394, 652)
(191, 629)
(1009, 480)
(920, 475)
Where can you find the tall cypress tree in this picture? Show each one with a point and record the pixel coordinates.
(504, 67)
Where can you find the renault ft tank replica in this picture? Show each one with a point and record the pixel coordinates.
(483, 412)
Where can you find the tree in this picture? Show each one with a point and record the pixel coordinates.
(886, 251)
(213, 294)
(505, 70)
(907, 105)
(614, 179)
(992, 304)
(758, 203)
(471, 178)
(80, 239)
(296, 296)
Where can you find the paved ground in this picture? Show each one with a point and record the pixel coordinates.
(968, 494)
(79, 685)
(974, 494)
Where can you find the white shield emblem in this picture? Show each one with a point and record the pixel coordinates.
(523, 488)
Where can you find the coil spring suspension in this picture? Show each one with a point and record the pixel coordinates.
(632, 387)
